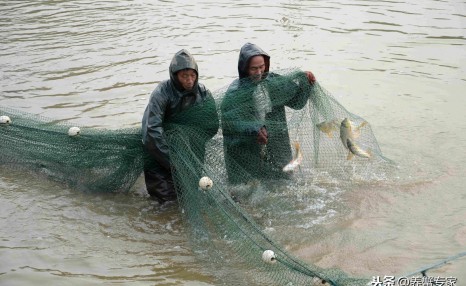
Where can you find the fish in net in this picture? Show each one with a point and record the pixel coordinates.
(311, 138)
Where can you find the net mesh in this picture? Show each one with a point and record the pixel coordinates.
(228, 228)
(97, 160)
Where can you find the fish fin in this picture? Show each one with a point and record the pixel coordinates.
(350, 155)
(369, 152)
(356, 131)
(329, 134)
(289, 167)
(297, 149)
(364, 123)
(322, 128)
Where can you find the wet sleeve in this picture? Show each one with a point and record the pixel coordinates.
(237, 116)
(211, 112)
(155, 142)
(301, 91)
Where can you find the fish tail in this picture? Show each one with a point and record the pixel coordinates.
(370, 153)
(297, 146)
(364, 123)
(298, 154)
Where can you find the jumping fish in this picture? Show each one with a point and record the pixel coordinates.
(347, 131)
(347, 135)
(356, 150)
(296, 161)
(328, 127)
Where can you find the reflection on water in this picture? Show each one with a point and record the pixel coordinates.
(399, 65)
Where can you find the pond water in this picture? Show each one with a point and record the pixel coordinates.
(399, 65)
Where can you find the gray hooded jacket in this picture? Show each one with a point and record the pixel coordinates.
(168, 102)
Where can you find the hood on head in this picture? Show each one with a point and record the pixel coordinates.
(248, 51)
(182, 60)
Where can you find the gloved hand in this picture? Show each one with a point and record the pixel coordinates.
(310, 77)
(262, 137)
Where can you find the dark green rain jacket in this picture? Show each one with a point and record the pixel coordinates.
(246, 107)
(175, 115)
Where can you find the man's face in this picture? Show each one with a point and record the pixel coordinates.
(187, 78)
(256, 68)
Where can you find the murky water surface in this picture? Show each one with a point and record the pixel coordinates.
(400, 65)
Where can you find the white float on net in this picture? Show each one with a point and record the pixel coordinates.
(205, 183)
(269, 257)
(5, 119)
(74, 131)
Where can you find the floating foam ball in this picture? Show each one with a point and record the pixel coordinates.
(74, 131)
(205, 183)
(5, 119)
(268, 256)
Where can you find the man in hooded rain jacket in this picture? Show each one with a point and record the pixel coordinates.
(177, 108)
(255, 132)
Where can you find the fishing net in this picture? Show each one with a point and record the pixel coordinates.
(96, 160)
(239, 223)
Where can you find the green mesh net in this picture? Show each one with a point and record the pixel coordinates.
(311, 139)
(96, 160)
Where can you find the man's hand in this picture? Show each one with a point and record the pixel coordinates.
(262, 137)
(310, 77)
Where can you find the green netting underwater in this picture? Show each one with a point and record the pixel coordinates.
(307, 128)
